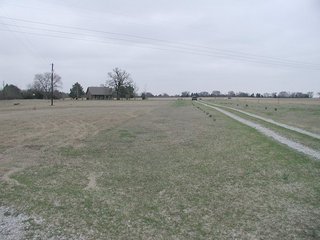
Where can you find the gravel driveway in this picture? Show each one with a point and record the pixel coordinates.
(294, 145)
(299, 130)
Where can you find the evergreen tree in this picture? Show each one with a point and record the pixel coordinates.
(76, 91)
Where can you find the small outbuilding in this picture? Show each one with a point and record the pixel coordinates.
(99, 93)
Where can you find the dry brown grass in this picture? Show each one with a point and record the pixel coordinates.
(152, 170)
(34, 126)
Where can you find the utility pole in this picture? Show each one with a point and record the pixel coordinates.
(3, 90)
(52, 84)
(77, 90)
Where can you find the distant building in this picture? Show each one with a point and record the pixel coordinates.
(99, 93)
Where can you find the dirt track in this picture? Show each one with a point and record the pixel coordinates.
(299, 130)
(294, 145)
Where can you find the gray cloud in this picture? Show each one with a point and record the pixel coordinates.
(230, 30)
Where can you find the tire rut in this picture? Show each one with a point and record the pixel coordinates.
(269, 133)
(296, 129)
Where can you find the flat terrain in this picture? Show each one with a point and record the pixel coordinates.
(297, 113)
(266, 131)
(302, 113)
(149, 170)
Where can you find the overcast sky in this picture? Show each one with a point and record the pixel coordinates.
(168, 46)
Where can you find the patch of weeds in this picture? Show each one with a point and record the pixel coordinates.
(23, 179)
(34, 228)
(94, 152)
(7, 213)
(125, 134)
(160, 137)
(33, 146)
(181, 103)
(2, 148)
(70, 151)
(30, 176)
(285, 176)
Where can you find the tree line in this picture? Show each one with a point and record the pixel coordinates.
(123, 86)
(39, 89)
(282, 94)
(11, 91)
(119, 80)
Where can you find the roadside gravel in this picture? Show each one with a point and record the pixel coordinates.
(12, 224)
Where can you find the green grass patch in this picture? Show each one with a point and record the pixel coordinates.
(181, 103)
(126, 134)
(70, 151)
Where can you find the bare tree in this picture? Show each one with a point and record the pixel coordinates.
(283, 94)
(215, 93)
(185, 94)
(136, 89)
(231, 94)
(310, 94)
(119, 80)
(42, 83)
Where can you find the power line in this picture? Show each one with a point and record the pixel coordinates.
(88, 12)
(52, 84)
(177, 44)
(168, 47)
(27, 44)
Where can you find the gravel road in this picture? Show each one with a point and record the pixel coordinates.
(294, 145)
(299, 130)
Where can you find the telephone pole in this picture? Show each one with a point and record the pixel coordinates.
(52, 84)
(77, 90)
(3, 90)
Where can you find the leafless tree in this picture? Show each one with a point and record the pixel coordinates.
(216, 93)
(119, 80)
(136, 89)
(231, 94)
(42, 83)
(185, 94)
(283, 94)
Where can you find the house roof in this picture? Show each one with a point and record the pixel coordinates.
(99, 91)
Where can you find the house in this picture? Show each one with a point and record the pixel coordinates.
(99, 93)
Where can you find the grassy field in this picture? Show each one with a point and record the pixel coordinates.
(151, 170)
